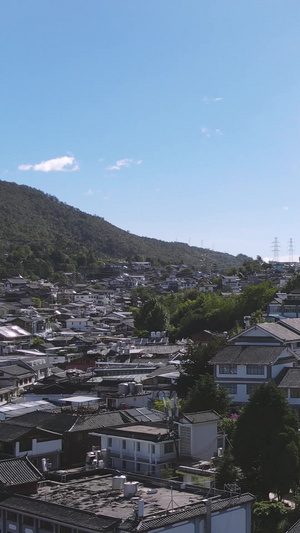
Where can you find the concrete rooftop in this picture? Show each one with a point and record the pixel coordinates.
(95, 494)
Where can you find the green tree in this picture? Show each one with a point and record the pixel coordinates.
(36, 302)
(227, 426)
(196, 363)
(266, 443)
(36, 341)
(152, 316)
(206, 395)
(227, 472)
(268, 515)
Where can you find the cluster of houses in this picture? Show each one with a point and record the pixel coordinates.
(82, 447)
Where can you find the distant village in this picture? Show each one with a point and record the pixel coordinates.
(83, 444)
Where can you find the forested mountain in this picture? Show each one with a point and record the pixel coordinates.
(43, 223)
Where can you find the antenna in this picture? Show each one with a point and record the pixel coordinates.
(172, 502)
(275, 248)
(291, 251)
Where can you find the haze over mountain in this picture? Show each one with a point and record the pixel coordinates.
(31, 217)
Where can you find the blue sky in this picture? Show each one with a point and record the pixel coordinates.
(172, 119)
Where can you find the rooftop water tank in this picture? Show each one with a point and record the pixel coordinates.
(131, 386)
(123, 389)
(118, 482)
(130, 488)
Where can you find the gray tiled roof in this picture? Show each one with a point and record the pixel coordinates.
(11, 432)
(102, 420)
(18, 471)
(295, 528)
(244, 355)
(292, 323)
(175, 516)
(142, 414)
(280, 331)
(201, 417)
(59, 513)
(59, 422)
(291, 379)
(16, 370)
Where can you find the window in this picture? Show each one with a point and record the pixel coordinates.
(255, 369)
(295, 393)
(228, 369)
(28, 520)
(168, 447)
(251, 387)
(47, 526)
(124, 444)
(110, 442)
(138, 467)
(124, 465)
(138, 446)
(230, 387)
(153, 448)
(10, 515)
(25, 445)
(65, 529)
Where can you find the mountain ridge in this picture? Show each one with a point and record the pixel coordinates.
(30, 216)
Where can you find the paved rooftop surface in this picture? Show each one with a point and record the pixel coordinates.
(95, 494)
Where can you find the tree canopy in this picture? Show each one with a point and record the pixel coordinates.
(206, 395)
(266, 443)
(196, 363)
(152, 316)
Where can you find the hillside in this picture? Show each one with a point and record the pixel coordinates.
(31, 217)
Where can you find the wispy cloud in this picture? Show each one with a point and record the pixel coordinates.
(285, 208)
(208, 100)
(89, 192)
(208, 133)
(124, 163)
(205, 131)
(60, 164)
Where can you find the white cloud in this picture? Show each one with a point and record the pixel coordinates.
(123, 163)
(285, 208)
(207, 100)
(208, 133)
(205, 131)
(60, 164)
(89, 192)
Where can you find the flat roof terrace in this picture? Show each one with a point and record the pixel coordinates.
(95, 494)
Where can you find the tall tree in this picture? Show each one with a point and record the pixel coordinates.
(206, 395)
(152, 316)
(267, 444)
(195, 363)
(226, 472)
